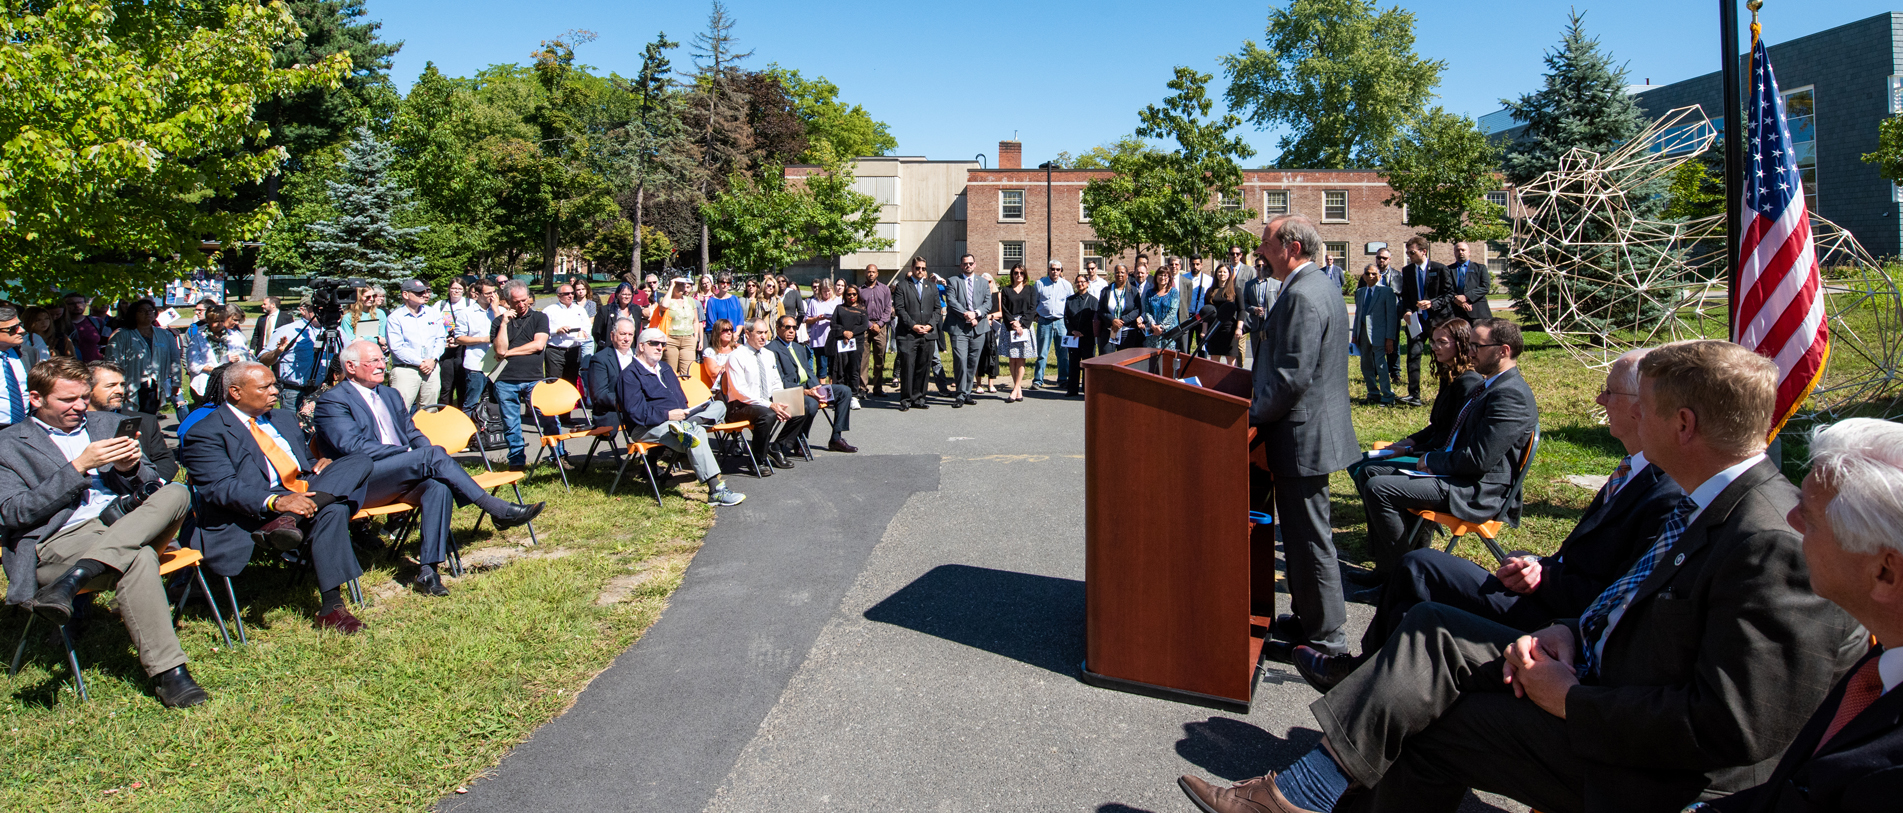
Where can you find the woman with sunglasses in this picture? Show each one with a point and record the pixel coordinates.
(149, 356)
(713, 360)
(679, 316)
(849, 327)
(1020, 322)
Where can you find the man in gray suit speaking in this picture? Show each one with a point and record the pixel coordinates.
(1301, 412)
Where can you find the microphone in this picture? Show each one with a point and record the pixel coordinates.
(1205, 316)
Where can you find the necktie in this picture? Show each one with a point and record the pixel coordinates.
(1460, 276)
(1596, 621)
(1619, 476)
(1864, 688)
(971, 291)
(16, 409)
(1462, 417)
(759, 360)
(281, 461)
(380, 414)
(1420, 281)
(797, 365)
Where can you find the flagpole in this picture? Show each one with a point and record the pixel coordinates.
(1734, 154)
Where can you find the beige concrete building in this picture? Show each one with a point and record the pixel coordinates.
(921, 210)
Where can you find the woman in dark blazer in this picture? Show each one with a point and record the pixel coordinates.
(1459, 381)
(620, 305)
(1020, 320)
(849, 324)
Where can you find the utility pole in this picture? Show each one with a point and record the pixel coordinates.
(1047, 166)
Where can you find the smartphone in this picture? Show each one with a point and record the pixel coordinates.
(129, 427)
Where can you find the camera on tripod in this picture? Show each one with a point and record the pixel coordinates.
(328, 296)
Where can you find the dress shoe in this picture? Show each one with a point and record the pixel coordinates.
(1279, 651)
(1365, 578)
(1321, 671)
(279, 534)
(1287, 628)
(840, 445)
(905, 405)
(517, 514)
(1370, 596)
(1258, 795)
(340, 620)
(958, 402)
(176, 689)
(971, 399)
(778, 460)
(54, 602)
(430, 584)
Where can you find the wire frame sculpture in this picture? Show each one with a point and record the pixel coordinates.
(1603, 278)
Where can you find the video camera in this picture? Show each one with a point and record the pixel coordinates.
(328, 296)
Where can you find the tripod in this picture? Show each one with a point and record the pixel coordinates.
(325, 350)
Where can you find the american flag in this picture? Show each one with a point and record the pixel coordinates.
(1779, 293)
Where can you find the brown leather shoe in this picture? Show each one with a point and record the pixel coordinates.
(340, 620)
(1258, 795)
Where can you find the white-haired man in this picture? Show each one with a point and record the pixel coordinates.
(655, 409)
(1849, 511)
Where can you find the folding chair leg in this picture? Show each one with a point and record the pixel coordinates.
(561, 465)
(356, 592)
(72, 660)
(178, 610)
(1451, 542)
(237, 616)
(654, 481)
(530, 525)
(596, 444)
(622, 470)
(1499, 553)
(199, 575)
(20, 651)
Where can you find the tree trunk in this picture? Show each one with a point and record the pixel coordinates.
(548, 257)
(640, 191)
(703, 243)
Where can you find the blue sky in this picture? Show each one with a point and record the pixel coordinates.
(952, 79)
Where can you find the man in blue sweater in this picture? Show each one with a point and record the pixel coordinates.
(655, 409)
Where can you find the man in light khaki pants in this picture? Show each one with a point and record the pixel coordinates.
(65, 474)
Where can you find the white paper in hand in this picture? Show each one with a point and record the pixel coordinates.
(1070, 341)
(848, 345)
(1414, 325)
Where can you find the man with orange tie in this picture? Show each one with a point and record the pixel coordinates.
(251, 464)
(1845, 758)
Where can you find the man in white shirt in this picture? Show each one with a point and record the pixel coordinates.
(470, 323)
(1097, 281)
(295, 365)
(569, 336)
(64, 477)
(752, 376)
(416, 345)
(1052, 292)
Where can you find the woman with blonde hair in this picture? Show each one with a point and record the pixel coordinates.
(766, 303)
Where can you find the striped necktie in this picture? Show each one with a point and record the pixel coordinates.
(1597, 620)
(1619, 477)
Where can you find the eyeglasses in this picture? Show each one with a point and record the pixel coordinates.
(1603, 392)
(1495, 344)
(13, 331)
(564, 293)
(655, 344)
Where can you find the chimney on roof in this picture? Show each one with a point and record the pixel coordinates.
(1010, 155)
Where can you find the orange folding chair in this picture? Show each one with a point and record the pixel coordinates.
(697, 394)
(448, 427)
(551, 399)
(1488, 531)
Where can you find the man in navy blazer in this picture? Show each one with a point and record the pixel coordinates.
(242, 495)
(655, 410)
(1846, 757)
(796, 370)
(408, 468)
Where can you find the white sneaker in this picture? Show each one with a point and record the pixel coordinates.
(855, 403)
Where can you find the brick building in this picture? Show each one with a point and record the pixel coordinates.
(1005, 214)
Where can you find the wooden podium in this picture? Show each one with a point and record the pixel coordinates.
(1178, 597)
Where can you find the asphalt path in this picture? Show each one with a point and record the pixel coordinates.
(899, 629)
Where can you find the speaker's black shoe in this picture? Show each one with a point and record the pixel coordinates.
(517, 514)
(1279, 651)
(1287, 628)
(903, 405)
(176, 689)
(920, 403)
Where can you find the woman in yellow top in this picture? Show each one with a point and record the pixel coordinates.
(682, 315)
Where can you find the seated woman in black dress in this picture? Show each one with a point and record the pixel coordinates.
(1454, 367)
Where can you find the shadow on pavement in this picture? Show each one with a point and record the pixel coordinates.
(1235, 750)
(1119, 807)
(1038, 620)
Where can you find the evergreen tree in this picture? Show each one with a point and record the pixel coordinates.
(363, 240)
(654, 152)
(1583, 105)
(306, 122)
(718, 111)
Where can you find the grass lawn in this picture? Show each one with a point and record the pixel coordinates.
(432, 693)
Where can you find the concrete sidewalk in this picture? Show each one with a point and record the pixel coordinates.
(930, 664)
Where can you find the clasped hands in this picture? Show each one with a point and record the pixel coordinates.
(1540, 668)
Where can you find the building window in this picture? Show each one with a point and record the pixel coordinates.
(1011, 204)
(1500, 199)
(1232, 201)
(1800, 115)
(1010, 253)
(1093, 253)
(1083, 209)
(1335, 205)
(1337, 252)
(1275, 202)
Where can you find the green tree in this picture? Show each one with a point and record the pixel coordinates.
(1695, 190)
(560, 194)
(1441, 169)
(1174, 199)
(364, 240)
(842, 221)
(654, 151)
(1583, 105)
(125, 139)
(436, 134)
(717, 112)
(758, 222)
(313, 119)
(849, 129)
(1339, 76)
(1099, 157)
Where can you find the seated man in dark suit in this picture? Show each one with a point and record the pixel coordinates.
(1471, 476)
(109, 395)
(604, 375)
(1528, 592)
(251, 464)
(655, 408)
(64, 477)
(364, 416)
(796, 370)
(1846, 757)
(1683, 681)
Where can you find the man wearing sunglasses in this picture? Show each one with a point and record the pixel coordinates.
(15, 360)
(655, 409)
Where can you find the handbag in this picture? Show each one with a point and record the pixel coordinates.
(490, 431)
